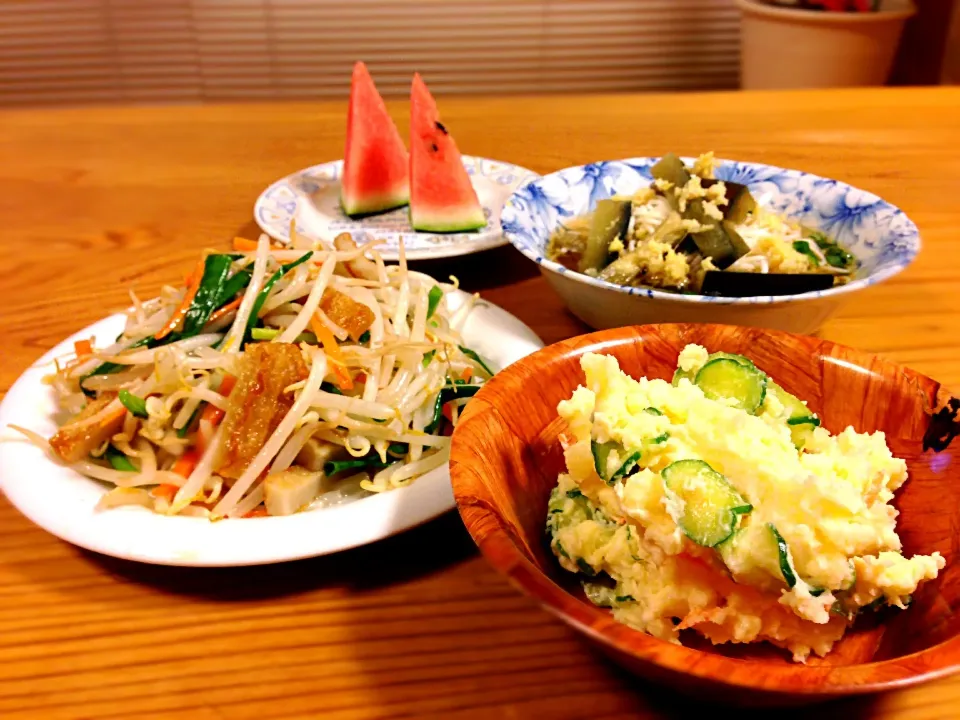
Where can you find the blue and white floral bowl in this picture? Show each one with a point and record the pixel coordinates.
(883, 239)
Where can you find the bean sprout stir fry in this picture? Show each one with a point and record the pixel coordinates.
(276, 378)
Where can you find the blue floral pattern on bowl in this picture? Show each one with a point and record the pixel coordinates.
(880, 235)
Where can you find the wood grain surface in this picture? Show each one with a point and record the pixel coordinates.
(96, 200)
(506, 456)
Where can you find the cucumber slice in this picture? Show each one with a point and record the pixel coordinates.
(601, 456)
(731, 356)
(679, 375)
(600, 594)
(726, 378)
(791, 402)
(801, 431)
(601, 452)
(625, 468)
(783, 556)
(712, 356)
(801, 420)
(711, 504)
(750, 555)
(662, 437)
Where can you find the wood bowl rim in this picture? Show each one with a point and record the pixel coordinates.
(499, 549)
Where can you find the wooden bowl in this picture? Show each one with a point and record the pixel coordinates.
(506, 457)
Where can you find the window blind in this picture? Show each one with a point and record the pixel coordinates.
(81, 51)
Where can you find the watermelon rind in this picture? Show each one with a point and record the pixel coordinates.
(451, 221)
(374, 205)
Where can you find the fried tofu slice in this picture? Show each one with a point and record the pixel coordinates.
(258, 402)
(354, 317)
(72, 443)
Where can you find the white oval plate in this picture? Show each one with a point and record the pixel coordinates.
(313, 197)
(63, 502)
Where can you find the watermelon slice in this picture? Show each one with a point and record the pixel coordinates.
(442, 198)
(376, 166)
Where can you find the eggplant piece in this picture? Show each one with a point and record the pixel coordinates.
(722, 244)
(623, 270)
(741, 284)
(566, 247)
(670, 231)
(740, 203)
(740, 206)
(671, 169)
(688, 246)
(609, 221)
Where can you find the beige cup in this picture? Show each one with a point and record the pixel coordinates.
(787, 48)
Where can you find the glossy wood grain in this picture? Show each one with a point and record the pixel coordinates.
(506, 457)
(94, 201)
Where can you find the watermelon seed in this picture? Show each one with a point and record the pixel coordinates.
(441, 128)
(433, 146)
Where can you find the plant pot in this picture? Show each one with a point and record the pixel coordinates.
(788, 48)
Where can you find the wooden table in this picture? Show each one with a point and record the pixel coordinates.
(95, 200)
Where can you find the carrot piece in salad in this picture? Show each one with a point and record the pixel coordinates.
(466, 374)
(211, 413)
(330, 346)
(257, 512)
(181, 312)
(165, 491)
(447, 411)
(186, 462)
(82, 347)
(228, 308)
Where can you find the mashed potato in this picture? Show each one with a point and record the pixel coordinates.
(717, 503)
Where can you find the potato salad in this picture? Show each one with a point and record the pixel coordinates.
(718, 503)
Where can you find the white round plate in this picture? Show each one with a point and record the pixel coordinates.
(312, 196)
(63, 502)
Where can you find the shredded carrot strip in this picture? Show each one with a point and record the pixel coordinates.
(360, 378)
(181, 311)
(83, 347)
(257, 512)
(466, 374)
(329, 342)
(211, 413)
(228, 308)
(447, 411)
(186, 462)
(243, 244)
(165, 491)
